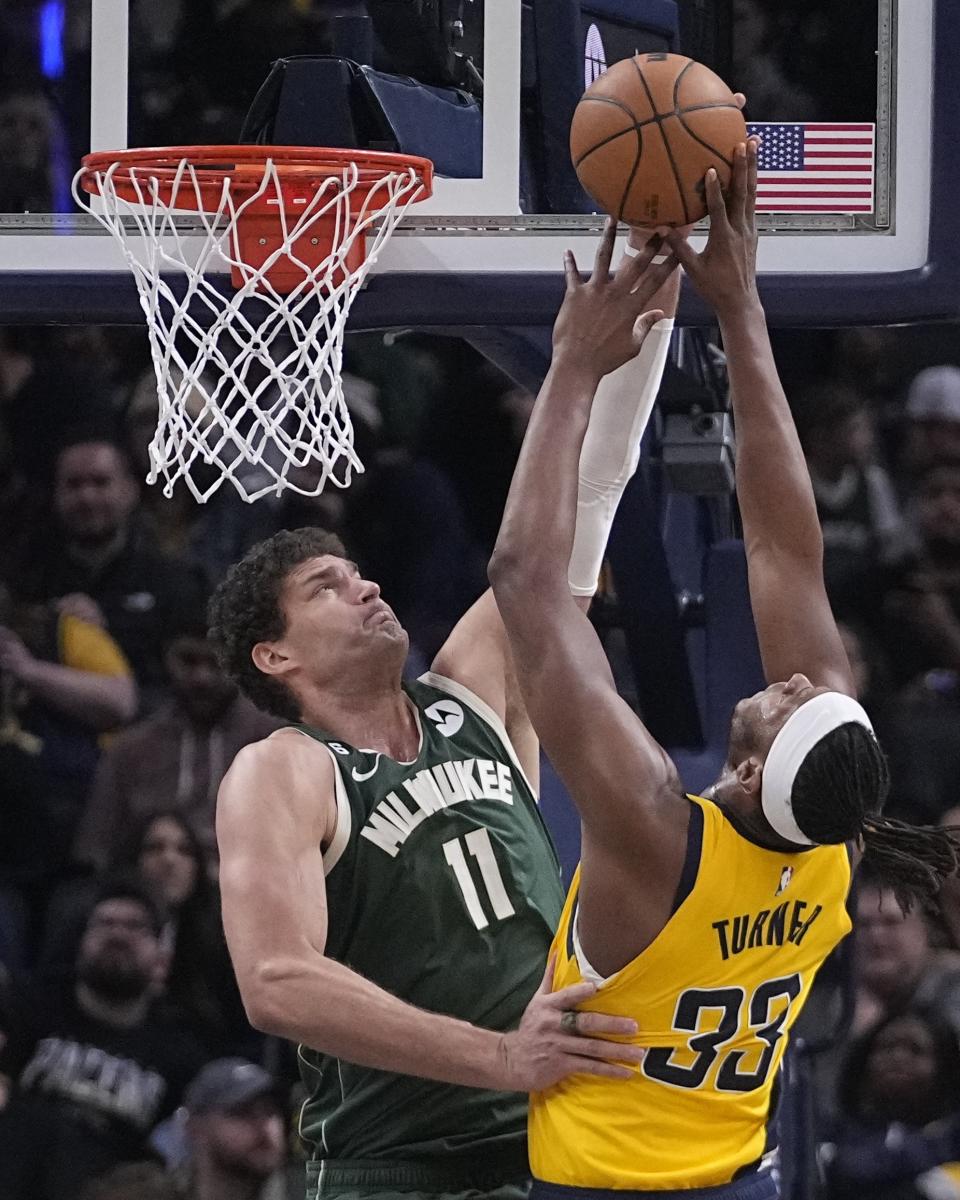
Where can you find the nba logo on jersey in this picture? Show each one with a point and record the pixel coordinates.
(594, 57)
(447, 715)
(785, 876)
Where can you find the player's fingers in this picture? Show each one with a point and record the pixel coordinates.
(651, 281)
(750, 206)
(570, 997)
(643, 324)
(546, 983)
(737, 198)
(633, 266)
(571, 270)
(681, 249)
(601, 266)
(617, 1052)
(591, 1024)
(739, 99)
(655, 276)
(716, 206)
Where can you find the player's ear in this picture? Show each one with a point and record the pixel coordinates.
(750, 776)
(270, 659)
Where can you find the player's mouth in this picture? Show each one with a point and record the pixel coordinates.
(381, 613)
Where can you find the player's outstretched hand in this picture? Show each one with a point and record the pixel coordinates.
(554, 1041)
(604, 319)
(725, 273)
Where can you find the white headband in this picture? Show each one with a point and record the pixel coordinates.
(799, 734)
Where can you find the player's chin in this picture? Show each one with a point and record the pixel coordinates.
(390, 629)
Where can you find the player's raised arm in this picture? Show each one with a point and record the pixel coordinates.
(275, 812)
(477, 653)
(621, 780)
(784, 545)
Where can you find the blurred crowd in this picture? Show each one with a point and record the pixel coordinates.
(117, 726)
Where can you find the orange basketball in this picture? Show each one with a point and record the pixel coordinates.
(645, 134)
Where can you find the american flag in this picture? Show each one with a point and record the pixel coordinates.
(815, 168)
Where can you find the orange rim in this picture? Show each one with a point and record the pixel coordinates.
(213, 164)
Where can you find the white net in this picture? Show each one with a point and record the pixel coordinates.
(249, 380)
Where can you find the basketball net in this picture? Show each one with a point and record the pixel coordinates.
(249, 377)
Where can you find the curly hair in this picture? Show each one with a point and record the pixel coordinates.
(245, 609)
(838, 796)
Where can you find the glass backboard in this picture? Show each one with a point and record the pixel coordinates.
(105, 74)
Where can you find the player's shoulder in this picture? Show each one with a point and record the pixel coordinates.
(286, 762)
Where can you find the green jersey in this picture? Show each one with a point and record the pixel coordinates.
(443, 887)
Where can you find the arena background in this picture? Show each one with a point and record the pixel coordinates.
(445, 348)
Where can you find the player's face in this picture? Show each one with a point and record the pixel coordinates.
(758, 719)
(336, 619)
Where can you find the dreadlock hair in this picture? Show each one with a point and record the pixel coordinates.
(838, 795)
(245, 609)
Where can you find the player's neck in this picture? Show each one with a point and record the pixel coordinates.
(748, 825)
(378, 718)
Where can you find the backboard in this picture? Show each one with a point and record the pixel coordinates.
(487, 249)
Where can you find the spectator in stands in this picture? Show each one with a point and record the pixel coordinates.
(174, 760)
(217, 533)
(16, 502)
(924, 606)
(899, 1133)
(864, 531)
(200, 981)
(759, 66)
(34, 153)
(867, 663)
(133, 1181)
(98, 1062)
(922, 619)
(54, 379)
(101, 563)
(235, 1134)
(63, 681)
(897, 966)
(163, 851)
(933, 419)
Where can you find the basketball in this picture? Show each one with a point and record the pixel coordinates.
(647, 131)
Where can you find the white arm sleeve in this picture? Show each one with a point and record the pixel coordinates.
(611, 452)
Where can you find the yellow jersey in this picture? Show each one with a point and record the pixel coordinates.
(714, 995)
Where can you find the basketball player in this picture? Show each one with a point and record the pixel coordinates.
(391, 865)
(705, 920)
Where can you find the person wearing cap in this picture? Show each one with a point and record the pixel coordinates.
(235, 1133)
(933, 419)
(703, 919)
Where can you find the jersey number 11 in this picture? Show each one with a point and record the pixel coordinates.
(479, 846)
